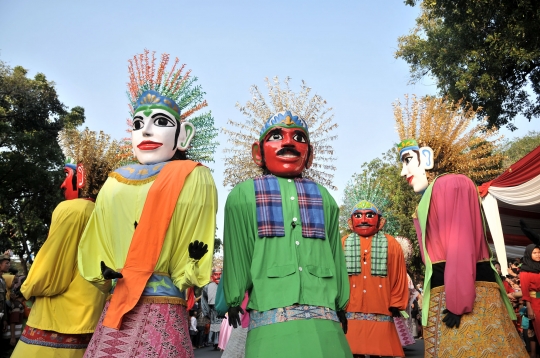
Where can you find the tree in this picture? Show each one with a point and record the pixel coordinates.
(31, 162)
(486, 52)
(516, 149)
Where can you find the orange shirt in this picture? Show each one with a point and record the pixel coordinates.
(374, 294)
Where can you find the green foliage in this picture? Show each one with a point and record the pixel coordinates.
(31, 162)
(402, 201)
(516, 149)
(483, 51)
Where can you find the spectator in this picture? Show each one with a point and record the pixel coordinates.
(529, 336)
(202, 335)
(5, 263)
(193, 328)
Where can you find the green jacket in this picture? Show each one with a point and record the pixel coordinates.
(282, 271)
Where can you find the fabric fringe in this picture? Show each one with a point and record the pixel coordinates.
(124, 180)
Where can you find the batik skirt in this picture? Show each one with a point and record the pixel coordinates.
(149, 330)
(487, 331)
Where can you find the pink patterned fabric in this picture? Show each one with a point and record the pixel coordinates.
(405, 336)
(148, 330)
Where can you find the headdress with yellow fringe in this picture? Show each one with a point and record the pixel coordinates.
(446, 127)
(96, 152)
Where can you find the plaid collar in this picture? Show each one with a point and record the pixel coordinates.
(379, 254)
(270, 211)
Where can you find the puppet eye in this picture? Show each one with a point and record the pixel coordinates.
(300, 138)
(274, 137)
(137, 124)
(163, 122)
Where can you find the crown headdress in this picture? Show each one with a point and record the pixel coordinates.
(175, 91)
(310, 111)
(444, 126)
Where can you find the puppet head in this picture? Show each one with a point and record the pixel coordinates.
(75, 180)
(283, 148)
(415, 162)
(366, 219)
(161, 100)
(158, 132)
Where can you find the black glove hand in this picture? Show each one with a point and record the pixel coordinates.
(452, 320)
(534, 237)
(342, 315)
(394, 311)
(109, 273)
(197, 249)
(234, 316)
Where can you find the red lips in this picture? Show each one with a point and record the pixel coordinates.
(409, 179)
(148, 145)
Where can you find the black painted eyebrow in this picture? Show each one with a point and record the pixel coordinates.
(300, 133)
(138, 117)
(161, 114)
(404, 156)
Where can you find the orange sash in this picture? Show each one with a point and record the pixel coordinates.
(147, 241)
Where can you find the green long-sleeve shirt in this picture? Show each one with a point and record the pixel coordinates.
(282, 271)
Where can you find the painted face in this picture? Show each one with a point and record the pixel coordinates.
(414, 172)
(286, 151)
(365, 222)
(536, 255)
(154, 136)
(69, 186)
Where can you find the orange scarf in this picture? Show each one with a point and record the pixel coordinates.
(147, 241)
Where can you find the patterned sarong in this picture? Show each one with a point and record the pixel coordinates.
(270, 212)
(485, 332)
(290, 313)
(148, 330)
(379, 254)
(374, 317)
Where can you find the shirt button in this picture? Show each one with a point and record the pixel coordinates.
(365, 263)
(380, 286)
(289, 180)
(365, 277)
(292, 197)
(294, 219)
(364, 291)
(365, 250)
(298, 243)
(353, 286)
(300, 268)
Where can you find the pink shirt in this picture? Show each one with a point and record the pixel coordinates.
(455, 234)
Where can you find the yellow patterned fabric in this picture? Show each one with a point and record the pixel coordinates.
(487, 331)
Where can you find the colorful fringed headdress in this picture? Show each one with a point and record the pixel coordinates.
(175, 92)
(303, 110)
(446, 128)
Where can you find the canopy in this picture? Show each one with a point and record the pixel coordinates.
(512, 196)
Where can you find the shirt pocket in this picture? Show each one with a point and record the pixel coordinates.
(280, 271)
(319, 271)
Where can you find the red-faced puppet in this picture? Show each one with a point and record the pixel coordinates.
(366, 219)
(75, 180)
(283, 148)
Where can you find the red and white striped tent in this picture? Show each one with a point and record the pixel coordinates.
(512, 196)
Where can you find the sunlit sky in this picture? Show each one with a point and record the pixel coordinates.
(343, 50)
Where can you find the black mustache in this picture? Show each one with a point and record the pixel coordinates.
(364, 224)
(290, 150)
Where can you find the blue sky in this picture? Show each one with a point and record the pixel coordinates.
(343, 50)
